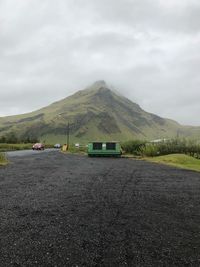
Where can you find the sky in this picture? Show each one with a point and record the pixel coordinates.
(149, 50)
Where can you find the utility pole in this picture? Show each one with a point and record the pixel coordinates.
(68, 136)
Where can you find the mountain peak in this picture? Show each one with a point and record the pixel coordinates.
(100, 83)
(96, 87)
(103, 87)
(96, 112)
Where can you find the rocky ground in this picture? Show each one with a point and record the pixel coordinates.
(70, 210)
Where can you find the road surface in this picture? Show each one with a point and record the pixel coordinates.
(20, 153)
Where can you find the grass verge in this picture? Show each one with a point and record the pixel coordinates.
(14, 147)
(177, 160)
(3, 159)
(74, 150)
(10, 147)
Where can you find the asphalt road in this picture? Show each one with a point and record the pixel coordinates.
(20, 153)
(69, 210)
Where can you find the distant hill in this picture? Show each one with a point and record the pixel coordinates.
(96, 113)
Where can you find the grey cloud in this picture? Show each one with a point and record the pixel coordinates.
(149, 50)
(177, 16)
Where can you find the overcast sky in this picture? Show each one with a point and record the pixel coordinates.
(148, 49)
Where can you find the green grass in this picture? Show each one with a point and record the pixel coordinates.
(14, 147)
(10, 147)
(178, 160)
(3, 159)
(74, 150)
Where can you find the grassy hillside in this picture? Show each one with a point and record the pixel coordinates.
(178, 160)
(93, 113)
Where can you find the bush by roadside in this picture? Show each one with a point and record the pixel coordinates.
(13, 138)
(173, 146)
(10, 147)
(165, 147)
(3, 159)
(134, 147)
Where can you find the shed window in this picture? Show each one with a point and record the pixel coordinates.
(97, 146)
(110, 146)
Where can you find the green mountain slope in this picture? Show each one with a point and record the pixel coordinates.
(95, 113)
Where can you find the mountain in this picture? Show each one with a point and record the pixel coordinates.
(96, 113)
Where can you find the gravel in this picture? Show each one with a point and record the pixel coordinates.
(70, 210)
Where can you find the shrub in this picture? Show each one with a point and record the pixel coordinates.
(9, 147)
(3, 158)
(12, 138)
(133, 146)
(150, 150)
(172, 146)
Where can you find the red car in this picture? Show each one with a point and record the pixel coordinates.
(38, 146)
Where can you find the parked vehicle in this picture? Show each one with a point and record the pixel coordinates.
(57, 146)
(38, 146)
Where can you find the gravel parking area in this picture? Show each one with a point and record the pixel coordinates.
(70, 210)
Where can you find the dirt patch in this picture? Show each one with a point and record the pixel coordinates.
(69, 210)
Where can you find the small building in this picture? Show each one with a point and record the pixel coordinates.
(104, 149)
(164, 140)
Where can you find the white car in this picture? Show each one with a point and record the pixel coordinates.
(57, 146)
